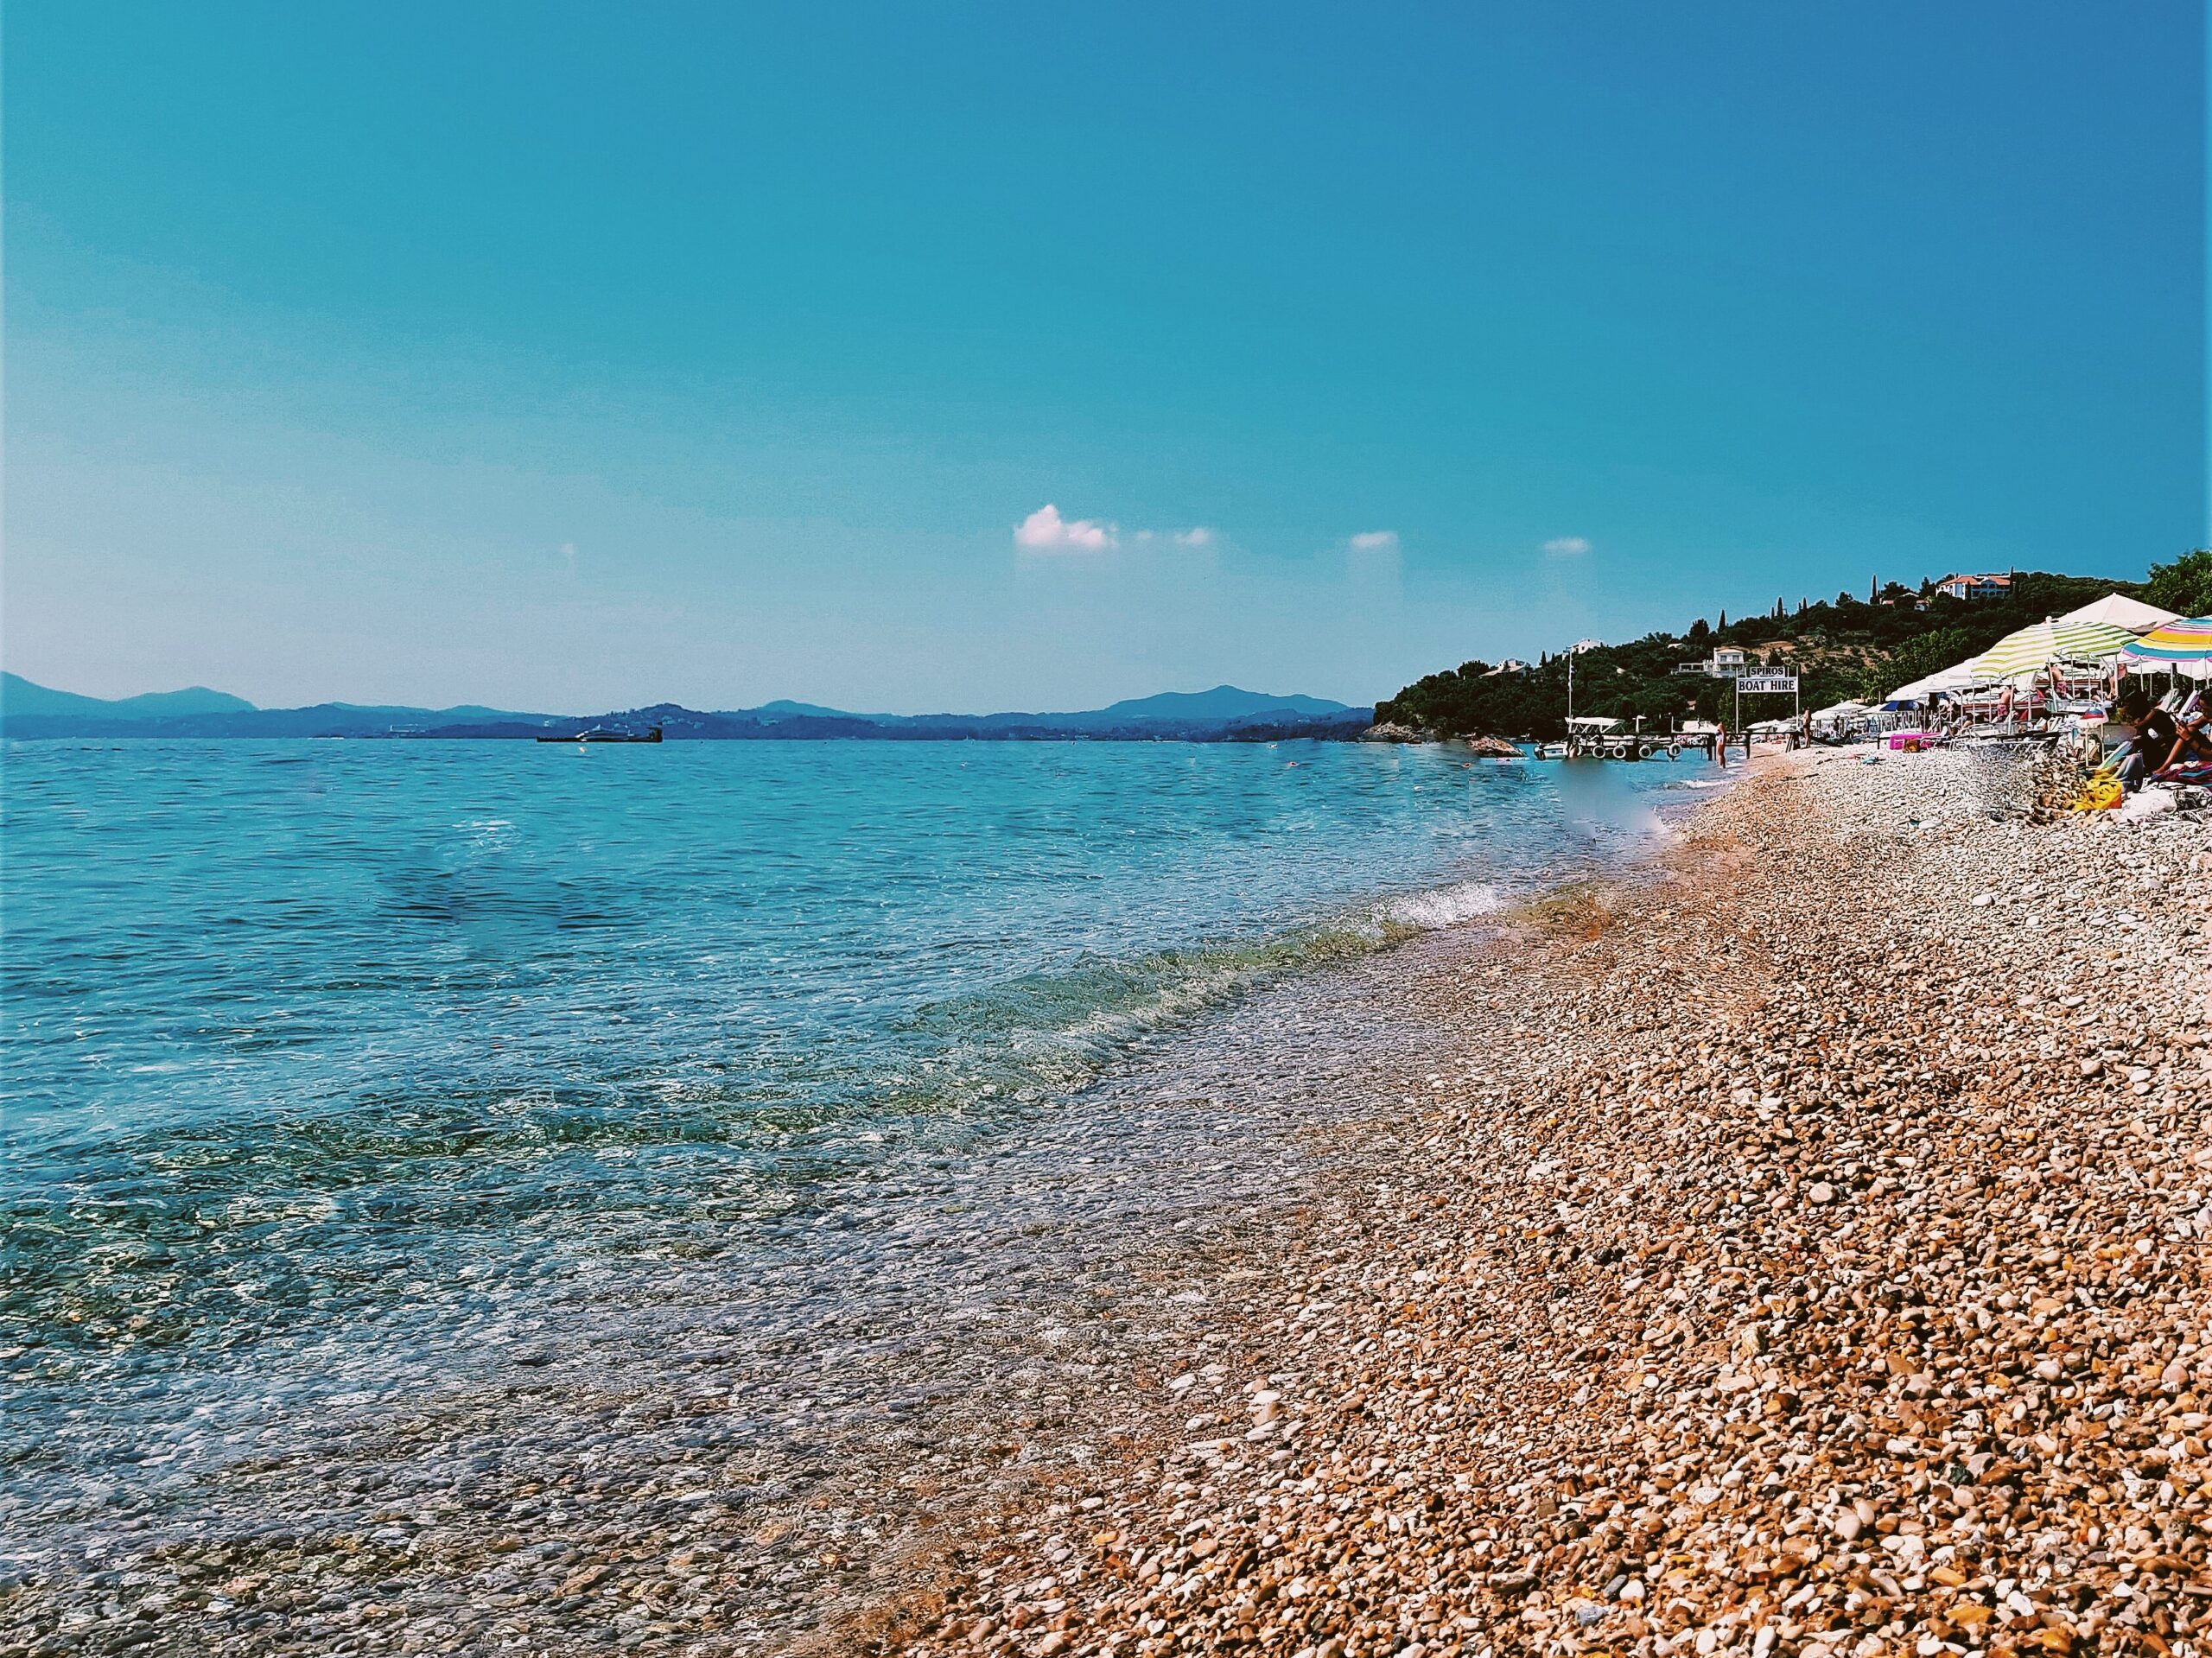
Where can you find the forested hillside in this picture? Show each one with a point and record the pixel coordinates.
(1846, 647)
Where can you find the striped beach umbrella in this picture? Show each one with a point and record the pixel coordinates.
(2186, 640)
(2047, 642)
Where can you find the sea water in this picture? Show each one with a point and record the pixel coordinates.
(332, 1066)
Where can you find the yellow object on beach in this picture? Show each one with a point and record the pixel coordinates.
(2101, 793)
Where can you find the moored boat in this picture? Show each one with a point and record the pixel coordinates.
(602, 735)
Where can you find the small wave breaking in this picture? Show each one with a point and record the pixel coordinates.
(1444, 907)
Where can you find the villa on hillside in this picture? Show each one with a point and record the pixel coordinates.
(1725, 662)
(1976, 587)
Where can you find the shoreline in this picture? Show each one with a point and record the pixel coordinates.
(1805, 1258)
(732, 1461)
(1368, 1124)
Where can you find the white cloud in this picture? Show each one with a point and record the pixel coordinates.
(1045, 531)
(1566, 546)
(1375, 566)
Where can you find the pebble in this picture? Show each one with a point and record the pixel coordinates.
(1568, 1372)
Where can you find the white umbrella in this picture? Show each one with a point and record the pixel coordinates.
(2120, 610)
(1956, 677)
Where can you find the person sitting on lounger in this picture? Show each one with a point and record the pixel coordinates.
(2192, 744)
(2156, 739)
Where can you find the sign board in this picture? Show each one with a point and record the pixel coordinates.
(1749, 683)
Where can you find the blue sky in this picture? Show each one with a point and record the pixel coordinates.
(574, 356)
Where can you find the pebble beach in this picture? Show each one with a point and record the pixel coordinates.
(1791, 1246)
(1800, 1254)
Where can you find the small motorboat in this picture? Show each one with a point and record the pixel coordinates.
(602, 735)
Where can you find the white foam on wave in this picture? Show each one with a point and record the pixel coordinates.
(487, 833)
(1446, 906)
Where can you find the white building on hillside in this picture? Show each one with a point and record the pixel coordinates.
(1976, 587)
(1725, 662)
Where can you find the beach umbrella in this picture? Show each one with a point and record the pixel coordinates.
(2122, 612)
(2047, 642)
(1956, 677)
(2181, 640)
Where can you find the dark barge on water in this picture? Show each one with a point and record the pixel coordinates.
(602, 735)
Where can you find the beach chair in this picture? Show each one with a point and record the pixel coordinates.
(2077, 688)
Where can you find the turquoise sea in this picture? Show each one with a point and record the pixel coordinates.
(331, 1060)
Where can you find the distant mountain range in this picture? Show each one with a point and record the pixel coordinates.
(19, 696)
(1223, 714)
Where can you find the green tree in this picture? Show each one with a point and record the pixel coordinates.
(1917, 659)
(1846, 648)
(2184, 585)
